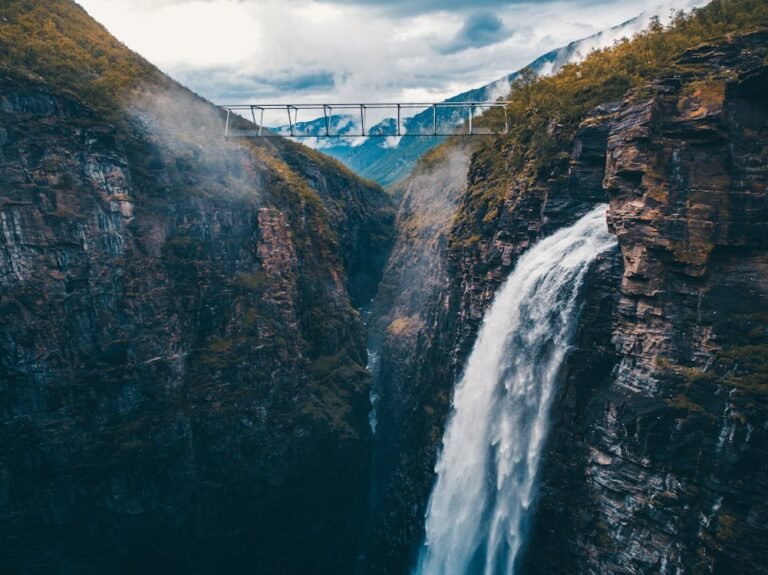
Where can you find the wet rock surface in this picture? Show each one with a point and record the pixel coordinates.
(674, 453)
(656, 460)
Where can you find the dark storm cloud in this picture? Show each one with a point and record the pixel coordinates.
(301, 81)
(223, 84)
(480, 29)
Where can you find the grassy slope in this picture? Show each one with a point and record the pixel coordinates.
(58, 42)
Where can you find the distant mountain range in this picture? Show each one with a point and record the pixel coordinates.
(388, 160)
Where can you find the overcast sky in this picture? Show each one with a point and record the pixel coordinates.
(264, 51)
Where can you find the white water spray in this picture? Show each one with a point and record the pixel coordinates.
(486, 473)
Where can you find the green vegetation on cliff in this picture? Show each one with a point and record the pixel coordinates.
(59, 43)
(545, 112)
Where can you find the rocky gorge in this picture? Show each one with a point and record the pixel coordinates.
(656, 459)
(183, 382)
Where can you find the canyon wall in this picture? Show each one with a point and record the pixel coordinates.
(656, 456)
(182, 366)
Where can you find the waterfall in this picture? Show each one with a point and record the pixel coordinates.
(486, 473)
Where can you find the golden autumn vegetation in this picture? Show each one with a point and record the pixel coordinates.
(58, 41)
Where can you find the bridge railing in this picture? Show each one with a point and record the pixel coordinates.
(372, 120)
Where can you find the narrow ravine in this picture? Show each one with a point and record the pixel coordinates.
(486, 474)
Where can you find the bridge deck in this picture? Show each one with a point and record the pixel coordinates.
(373, 120)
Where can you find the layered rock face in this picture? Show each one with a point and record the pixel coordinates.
(656, 456)
(441, 277)
(672, 464)
(182, 380)
(409, 313)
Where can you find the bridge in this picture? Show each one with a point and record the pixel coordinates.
(373, 120)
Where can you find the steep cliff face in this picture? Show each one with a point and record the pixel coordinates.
(441, 277)
(182, 380)
(410, 310)
(672, 465)
(656, 457)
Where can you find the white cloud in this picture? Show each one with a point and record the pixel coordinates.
(350, 50)
(170, 33)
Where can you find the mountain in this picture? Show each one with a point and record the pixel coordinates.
(655, 456)
(192, 327)
(388, 160)
(182, 361)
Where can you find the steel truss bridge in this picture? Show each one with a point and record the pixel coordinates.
(374, 120)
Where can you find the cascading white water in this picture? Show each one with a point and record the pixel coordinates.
(492, 445)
